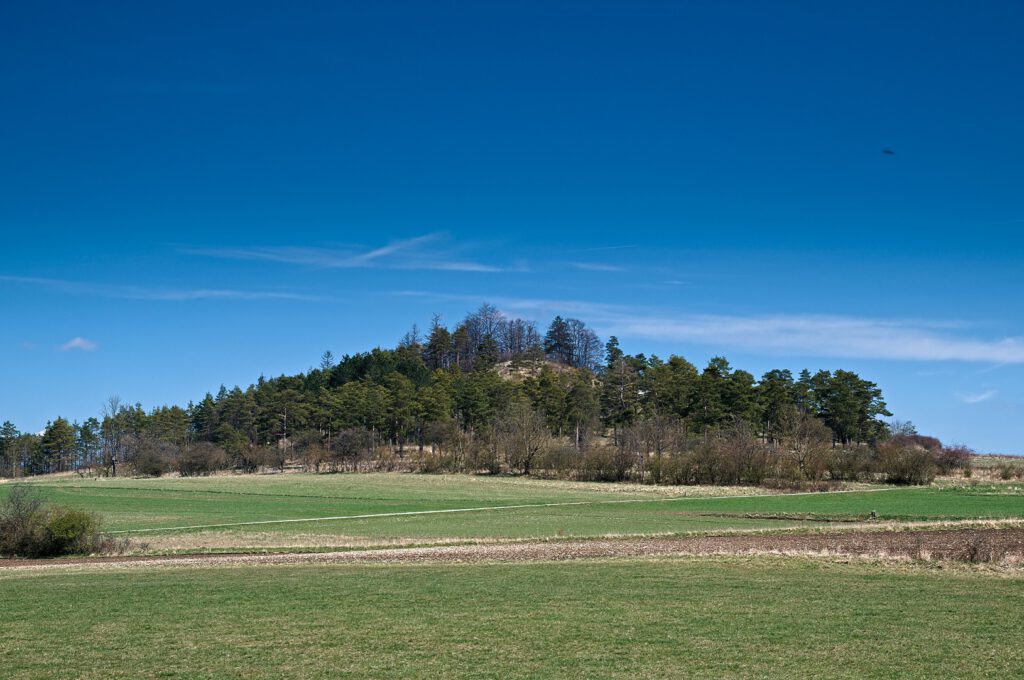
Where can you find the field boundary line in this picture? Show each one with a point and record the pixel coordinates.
(407, 513)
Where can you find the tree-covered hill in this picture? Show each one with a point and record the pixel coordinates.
(493, 394)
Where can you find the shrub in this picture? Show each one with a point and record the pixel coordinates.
(201, 458)
(950, 458)
(150, 463)
(560, 461)
(905, 464)
(848, 464)
(918, 440)
(30, 529)
(677, 469)
(148, 456)
(433, 460)
(1005, 471)
(481, 455)
(606, 464)
(22, 521)
(71, 531)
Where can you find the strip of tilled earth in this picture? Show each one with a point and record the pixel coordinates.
(974, 545)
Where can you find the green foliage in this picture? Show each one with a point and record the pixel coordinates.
(8, 448)
(58, 445)
(849, 405)
(71, 531)
(470, 376)
(28, 528)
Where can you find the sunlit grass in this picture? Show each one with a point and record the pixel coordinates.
(711, 617)
(580, 510)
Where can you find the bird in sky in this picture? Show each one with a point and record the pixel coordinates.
(888, 152)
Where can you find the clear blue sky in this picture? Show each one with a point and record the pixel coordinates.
(197, 193)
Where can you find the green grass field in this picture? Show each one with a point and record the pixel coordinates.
(628, 617)
(709, 617)
(553, 509)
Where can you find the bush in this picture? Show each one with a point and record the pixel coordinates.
(918, 440)
(849, 464)
(607, 464)
(560, 461)
(71, 531)
(201, 458)
(433, 461)
(30, 529)
(676, 469)
(150, 463)
(905, 464)
(1006, 472)
(22, 521)
(950, 458)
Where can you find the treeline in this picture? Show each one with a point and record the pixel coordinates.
(493, 394)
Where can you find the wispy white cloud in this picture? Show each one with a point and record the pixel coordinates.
(128, 292)
(596, 267)
(841, 336)
(978, 397)
(423, 252)
(785, 334)
(79, 343)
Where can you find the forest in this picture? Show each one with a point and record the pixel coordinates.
(494, 394)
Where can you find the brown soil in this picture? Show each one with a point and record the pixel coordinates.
(969, 545)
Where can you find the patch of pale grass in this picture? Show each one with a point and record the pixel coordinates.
(642, 489)
(256, 541)
(268, 540)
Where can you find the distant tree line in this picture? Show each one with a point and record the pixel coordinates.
(494, 394)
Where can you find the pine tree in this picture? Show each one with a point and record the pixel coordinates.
(558, 342)
(8, 452)
(58, 445)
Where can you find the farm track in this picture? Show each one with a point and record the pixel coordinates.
(977, 544)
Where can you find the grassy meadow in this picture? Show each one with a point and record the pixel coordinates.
(712, 616)
(370, 507)
(693, 617)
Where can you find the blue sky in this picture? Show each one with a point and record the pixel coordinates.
(193, 194)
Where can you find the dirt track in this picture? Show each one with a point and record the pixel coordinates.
(979, 545)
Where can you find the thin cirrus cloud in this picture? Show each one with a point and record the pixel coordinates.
(422, 252)
(597, 267)
(79, 343)
(979, 397)
(783, 334)
(156, 294)
(839, 336)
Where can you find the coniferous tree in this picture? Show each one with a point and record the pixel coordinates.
(89, 442)
(58, 446)
(558, 342)
(438, 352)
(8, 451)
(775, 402)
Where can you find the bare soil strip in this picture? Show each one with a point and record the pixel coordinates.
(971, 545)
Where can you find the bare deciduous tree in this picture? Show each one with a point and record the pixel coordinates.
(521, 434)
